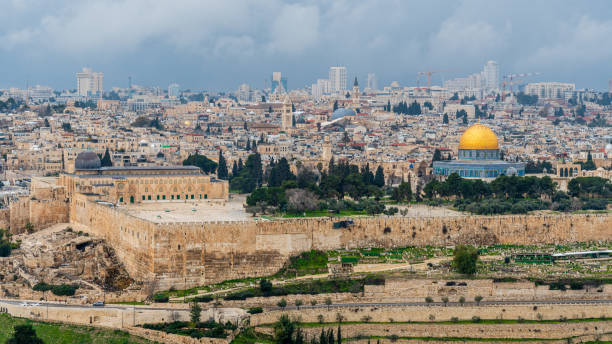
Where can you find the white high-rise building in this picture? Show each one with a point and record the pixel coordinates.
(174, 91)
(372, 82)
(244, 93)
(550, 90)
(337, 79)
(320, 88)
(89, 83)
(491, 75)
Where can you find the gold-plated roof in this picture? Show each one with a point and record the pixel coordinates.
(478, 136)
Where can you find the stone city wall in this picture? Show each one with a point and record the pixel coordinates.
(42, 208)
(189, 254)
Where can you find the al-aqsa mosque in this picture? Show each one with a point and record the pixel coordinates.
(478, 157)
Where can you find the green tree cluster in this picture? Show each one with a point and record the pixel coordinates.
(247, 178)
(590, 186)
(205, 164)
(465, 258)
(403, 108)
(537, 167)
(588, 165)
(145, 122)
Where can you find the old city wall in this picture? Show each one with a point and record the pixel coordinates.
(43, 207)
(131, 238)
(189, 254)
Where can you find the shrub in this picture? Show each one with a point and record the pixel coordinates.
(64, 289)
(282, 303)
(161, 298)
(475, 319)
(42, 286)
(265, 286)
(255, 310)
(203, 298)
(5, 249)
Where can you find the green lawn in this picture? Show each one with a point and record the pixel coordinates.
(54, 333)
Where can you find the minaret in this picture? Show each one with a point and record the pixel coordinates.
(327, 151)
(286, 114)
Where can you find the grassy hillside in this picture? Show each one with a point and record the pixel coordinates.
(52, 333)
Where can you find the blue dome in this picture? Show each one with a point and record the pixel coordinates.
(340, 113)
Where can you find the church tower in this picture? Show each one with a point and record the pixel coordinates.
(355, 94)
(287, 114)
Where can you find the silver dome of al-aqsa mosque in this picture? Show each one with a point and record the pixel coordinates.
(87, 160)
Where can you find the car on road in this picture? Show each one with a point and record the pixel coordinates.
(24, 304)
(98, 304)
(35, 304)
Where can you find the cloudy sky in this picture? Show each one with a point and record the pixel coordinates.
(219, 44)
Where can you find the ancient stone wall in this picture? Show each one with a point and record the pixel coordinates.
(190, 254)
(43, 207)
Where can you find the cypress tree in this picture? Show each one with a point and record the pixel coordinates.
(339, 340)
(248, 146)
(234, 169)
(379, 178)
(323, 337)
(222, 169)
(106, 160)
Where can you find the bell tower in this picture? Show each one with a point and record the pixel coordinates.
(287, 114)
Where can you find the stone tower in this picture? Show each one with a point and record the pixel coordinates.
(327, 151)
(287, 114)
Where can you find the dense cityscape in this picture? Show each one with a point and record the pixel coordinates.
(471, 205)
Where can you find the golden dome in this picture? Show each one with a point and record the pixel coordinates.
(478, 136)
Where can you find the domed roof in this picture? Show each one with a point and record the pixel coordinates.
(341, 112)
(87, 160)
(478, 136)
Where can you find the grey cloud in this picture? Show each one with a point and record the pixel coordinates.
(220, 44)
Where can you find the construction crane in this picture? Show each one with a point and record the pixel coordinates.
(429, 73)
(511, 77)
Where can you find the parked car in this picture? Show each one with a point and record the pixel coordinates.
(98, 304)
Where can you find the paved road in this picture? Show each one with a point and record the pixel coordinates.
(107, 306)
(349, 305)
